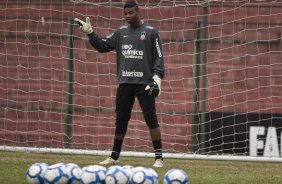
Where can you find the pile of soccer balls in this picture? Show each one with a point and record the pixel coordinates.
(70, 173)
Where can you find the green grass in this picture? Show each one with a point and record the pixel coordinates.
(14, 165)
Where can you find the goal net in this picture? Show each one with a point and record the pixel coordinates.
(221, 94)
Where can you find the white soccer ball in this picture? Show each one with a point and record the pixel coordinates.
(34, 173)
(93, 174)
(116, 175)
(142, 175)
(175, 176)
(155, 175)
(55, 174)
(129, 169)
(73, 171)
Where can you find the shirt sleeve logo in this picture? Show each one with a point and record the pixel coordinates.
(158, 47)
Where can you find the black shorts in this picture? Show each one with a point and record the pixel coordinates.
(125, 98)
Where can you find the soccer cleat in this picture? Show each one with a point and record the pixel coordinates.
(109, 161)
(158, 163)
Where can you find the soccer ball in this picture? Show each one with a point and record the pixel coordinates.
(155, 175)
(55, 174)
(93, 174)
(116, 175)
(175, 176)
(34, 173)
(142, 175)
(73, 171)
(128, 170)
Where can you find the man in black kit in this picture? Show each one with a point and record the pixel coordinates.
(140, 68)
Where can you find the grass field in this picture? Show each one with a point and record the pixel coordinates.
(14, 165)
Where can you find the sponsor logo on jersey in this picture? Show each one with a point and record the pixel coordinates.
(133, 73)
(129, 52)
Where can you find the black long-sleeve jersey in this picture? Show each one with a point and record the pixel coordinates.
(138, 52)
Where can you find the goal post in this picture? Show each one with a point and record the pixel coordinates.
(221, 94)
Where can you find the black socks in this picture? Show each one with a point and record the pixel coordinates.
(116, 149)
(157, 144)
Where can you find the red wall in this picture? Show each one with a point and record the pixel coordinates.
(243, 71)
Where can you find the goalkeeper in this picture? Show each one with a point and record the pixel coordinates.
(140, 68)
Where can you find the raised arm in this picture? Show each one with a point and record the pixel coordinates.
(101, 45)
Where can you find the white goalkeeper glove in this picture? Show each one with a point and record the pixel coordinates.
(154, 88)
(85, 27)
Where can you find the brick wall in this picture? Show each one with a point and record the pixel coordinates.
(243, 71)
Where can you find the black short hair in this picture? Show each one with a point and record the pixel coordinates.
(131, 4)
